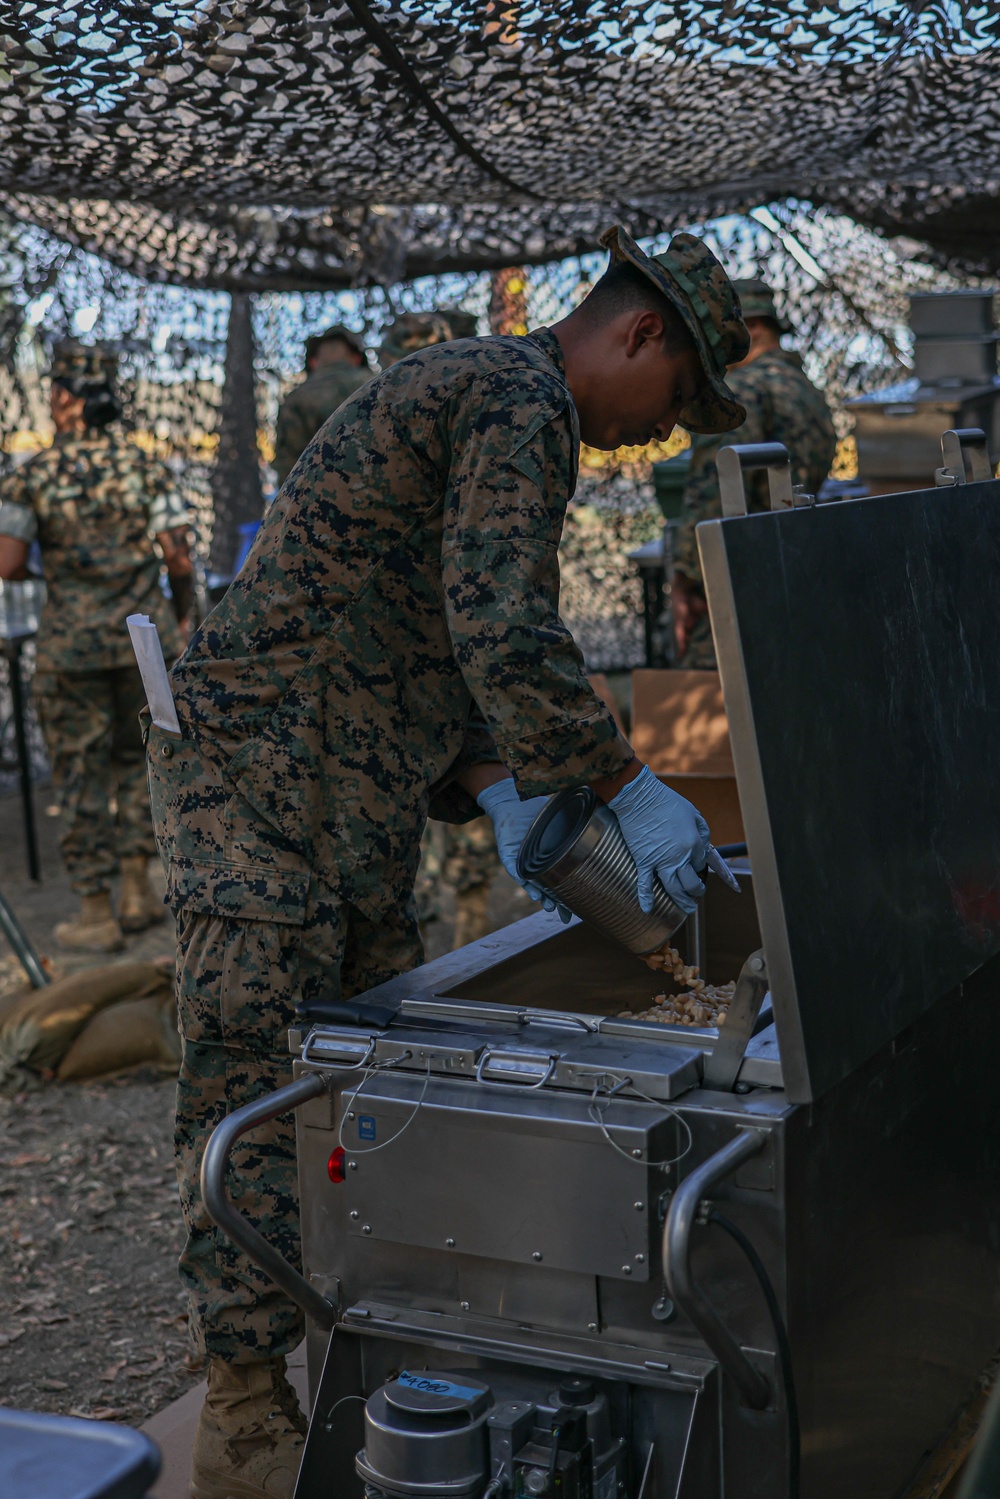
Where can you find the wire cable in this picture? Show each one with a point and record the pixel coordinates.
(784, 1348)
(347, 1105)
(593, 1109)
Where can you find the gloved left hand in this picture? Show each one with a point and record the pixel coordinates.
(511, 818)
(666, 836)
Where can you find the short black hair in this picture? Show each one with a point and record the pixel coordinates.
(624, 288)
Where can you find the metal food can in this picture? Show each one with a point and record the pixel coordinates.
(576, 851)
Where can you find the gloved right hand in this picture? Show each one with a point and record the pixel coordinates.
(666, 836)
(511, 818)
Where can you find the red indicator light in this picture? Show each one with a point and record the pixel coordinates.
(335, 1166)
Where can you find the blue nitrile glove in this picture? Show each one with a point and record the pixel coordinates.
(511, 818)
(666, 837)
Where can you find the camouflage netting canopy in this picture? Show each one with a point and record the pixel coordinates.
(298, 144)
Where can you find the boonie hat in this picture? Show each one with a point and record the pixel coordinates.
(80, 367)
(693, 281)
(757, 300)
(353, 340)
(412, 331)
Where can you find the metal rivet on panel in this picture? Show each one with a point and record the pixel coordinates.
(366, 1228)
(537, 1255)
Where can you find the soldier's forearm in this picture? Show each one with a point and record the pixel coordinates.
(13, 559)
(476, 778)
(182, 592)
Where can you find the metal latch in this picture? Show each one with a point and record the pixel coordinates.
(528, 1069)
(334, 1049)
(964, 450)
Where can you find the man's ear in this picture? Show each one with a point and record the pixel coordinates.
(646, 328)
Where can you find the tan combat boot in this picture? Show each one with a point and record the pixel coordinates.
(251, 1433)
(471, 920)
(95, 930)
(138, 907)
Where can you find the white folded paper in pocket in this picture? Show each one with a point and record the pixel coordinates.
(153, 669)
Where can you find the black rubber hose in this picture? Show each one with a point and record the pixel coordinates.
(784, 1348)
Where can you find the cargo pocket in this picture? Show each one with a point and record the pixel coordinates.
(239, 941)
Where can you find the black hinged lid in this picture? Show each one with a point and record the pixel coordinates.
(858, 649)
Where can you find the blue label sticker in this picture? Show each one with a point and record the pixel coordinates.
(431, 1385)
(366, 1127)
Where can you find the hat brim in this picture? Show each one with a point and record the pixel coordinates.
(715, 409)
(776, 317)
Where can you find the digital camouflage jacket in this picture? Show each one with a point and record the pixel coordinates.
(782, 406)
(307, 406)
(397, 619)
(94, 504)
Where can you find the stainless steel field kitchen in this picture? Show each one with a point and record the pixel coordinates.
(551, 1248)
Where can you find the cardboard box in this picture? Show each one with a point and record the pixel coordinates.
(679, 728)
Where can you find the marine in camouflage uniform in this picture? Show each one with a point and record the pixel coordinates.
(782, 406)
(461, 857)
(392, 638)
(94, 501)
(335, 369)
(410, 332)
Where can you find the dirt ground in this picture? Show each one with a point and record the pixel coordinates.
(92, 1319)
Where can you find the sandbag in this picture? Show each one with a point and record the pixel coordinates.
(38, 1026)
(131, 1033)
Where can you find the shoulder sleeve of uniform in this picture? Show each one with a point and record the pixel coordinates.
(17, 514)
(514, 453)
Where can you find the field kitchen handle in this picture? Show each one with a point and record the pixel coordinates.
(684, 1289)
(525, 1069)
(232, 1222)
(745, 458)
(963, 447)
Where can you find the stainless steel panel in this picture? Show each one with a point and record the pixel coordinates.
(857, 648)
(526, 1296)
(515, 1175)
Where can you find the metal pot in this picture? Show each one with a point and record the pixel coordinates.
(576, 851)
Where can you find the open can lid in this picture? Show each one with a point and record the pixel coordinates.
(555, 830)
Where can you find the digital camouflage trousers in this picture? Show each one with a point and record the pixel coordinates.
(90, 723)
(259, 939)
(238, 983)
